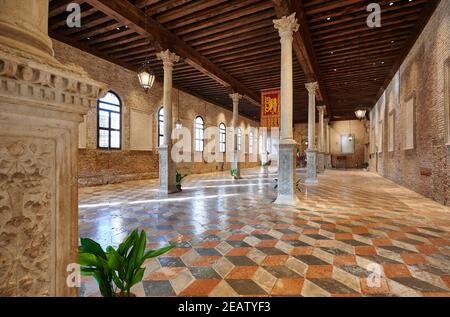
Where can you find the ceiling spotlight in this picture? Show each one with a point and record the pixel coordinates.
(391, 4)
(328, 19)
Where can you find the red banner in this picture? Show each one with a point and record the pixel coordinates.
(270, 108)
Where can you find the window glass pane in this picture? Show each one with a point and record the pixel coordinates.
(115, 139)
(105, 106)
(103, 119)
(103, 138)
(115, 121)
(111, 98)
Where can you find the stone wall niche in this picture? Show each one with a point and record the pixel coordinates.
(42, 103)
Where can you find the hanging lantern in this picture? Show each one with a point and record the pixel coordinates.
(361, 114)
(146, 77)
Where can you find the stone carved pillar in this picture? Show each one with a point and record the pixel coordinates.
(287, 174)
(235, 165)
(42, 103)
(167, 167)
(311, 152)
(321, 139)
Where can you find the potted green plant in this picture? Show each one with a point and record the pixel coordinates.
(234, 172)
(365, 166)
(117, 271)
(266, 166)
(178, 180)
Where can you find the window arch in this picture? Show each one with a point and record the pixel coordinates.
(160, 126)
(239, 139)
(109, 122)
(199, 134)
(250, 142)
(222, 138)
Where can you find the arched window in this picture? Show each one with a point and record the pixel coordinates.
(160, 126)
(109, 122)
(239, 139)
(222, 138)
(199, 134)
(250, 142)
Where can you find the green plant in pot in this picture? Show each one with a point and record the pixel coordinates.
(234, 172)
(178, 179)
(365, 165)
(117, 271)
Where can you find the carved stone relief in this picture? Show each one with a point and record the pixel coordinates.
(26, 207)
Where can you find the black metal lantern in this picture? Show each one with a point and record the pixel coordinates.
(146, 76)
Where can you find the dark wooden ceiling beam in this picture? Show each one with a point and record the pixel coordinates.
(132, 16)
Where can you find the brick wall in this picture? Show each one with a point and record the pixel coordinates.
(426, 168)
(102, 167)
(338, 128)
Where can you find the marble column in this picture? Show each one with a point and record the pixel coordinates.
(321, 140)
(235, 165)
(327, 144)
(311, 152)
(167, 167)
(287, 175)
(42, 103)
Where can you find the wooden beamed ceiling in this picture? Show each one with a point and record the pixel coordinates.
(231, 45)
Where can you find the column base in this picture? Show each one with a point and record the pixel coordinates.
(236, 165)
(321, 163)
(311, 168)
(167, 172)
(287, 175)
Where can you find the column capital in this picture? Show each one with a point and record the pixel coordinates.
(321, 109)
(168, 57)
(236, 97)
(312, 87)
(286, 26)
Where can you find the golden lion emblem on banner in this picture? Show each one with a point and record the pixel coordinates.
(271, 105)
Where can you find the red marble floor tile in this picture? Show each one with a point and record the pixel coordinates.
(200, 288)
(302, 250)
(242, 273)
(267, 243)
(288, 287)
(238, 252)
(177, 252)
(413, 258)
(237, 237)
(396, 270)
(209, 244)
(365, 250)
(344, 260)
(427, 248)
(343, 236)
(206, 260)
(319, 271)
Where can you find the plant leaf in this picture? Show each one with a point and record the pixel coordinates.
(125, 246)
(90, 246)
(155, 253)
(137, 277)
(87, 259)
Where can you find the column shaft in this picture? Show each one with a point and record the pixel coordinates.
(287, 164)
(167, 167)
(311, 152)
(235, 165)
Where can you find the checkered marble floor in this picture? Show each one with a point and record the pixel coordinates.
(354, 234)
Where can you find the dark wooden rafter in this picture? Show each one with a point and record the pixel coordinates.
(134, 18)
(302, 45)
(236, 39)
